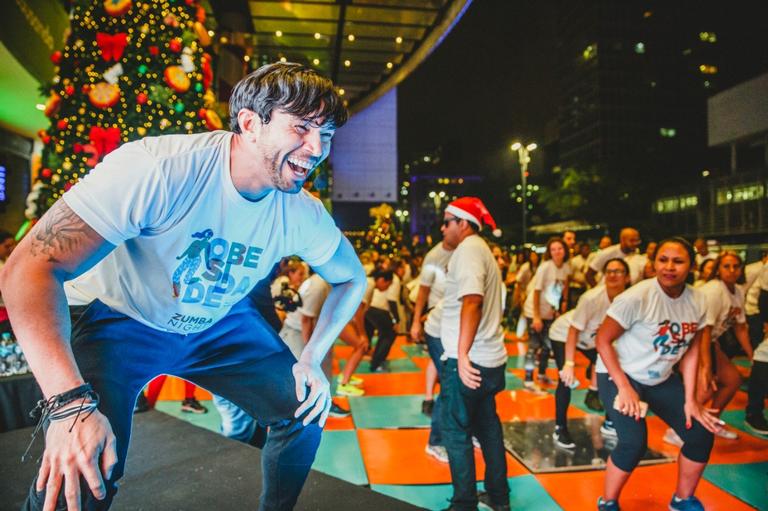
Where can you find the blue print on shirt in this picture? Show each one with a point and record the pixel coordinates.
(207, 284)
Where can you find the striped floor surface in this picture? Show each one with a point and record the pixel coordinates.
(382, 445)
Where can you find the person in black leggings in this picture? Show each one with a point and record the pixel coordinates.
(576, 330)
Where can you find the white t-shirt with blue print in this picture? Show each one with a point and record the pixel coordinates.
(658, 329)
(189, 246)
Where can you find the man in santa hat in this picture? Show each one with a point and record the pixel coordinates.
(474, 359)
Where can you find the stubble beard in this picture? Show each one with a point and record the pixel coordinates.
(278, 181)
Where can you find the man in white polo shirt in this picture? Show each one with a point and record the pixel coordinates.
(475, 358)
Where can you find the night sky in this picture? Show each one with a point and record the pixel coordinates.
(490, 81)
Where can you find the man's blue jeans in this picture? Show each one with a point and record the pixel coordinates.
(435, 349)
(467, 412)
(239, 358)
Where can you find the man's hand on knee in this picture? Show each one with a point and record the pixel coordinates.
(87, 449)
(318, 402)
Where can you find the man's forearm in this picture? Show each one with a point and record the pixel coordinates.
(421, 302)
(37, 307)
(471, 312)
(338, 309)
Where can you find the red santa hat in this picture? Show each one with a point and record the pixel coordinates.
(473, 210)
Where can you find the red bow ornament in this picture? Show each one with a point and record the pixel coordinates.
(103, 142)
(111, 46)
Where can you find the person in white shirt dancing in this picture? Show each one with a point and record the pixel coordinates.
(647, 330)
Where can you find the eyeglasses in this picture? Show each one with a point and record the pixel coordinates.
(615, 272)
(447, 221)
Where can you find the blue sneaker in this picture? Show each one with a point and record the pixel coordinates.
(607, 505)
(689, 504)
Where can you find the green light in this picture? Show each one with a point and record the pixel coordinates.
(142, 69)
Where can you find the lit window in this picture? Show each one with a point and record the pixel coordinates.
(668, 132)
(708, 69)
(590, 52)
(647, 14)
(640, 48)
(708, 37)
(673, 204)
(740, 193)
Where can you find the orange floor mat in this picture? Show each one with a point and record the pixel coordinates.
(649, 488)
(521, 405)
(421, 362)
(392, 384)
(398, 457)
(173, 390)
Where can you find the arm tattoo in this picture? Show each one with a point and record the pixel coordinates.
(59, 232)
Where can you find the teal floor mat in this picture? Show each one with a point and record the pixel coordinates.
(525, 493)
(748, 481)
(516, 362)
(513, 382)
(339, 456)
(415, 350)
(400, 365)
(210, 421)
(380, 412)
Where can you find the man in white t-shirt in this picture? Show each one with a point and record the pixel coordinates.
(629, 241)
(176, 230)
(475, 357)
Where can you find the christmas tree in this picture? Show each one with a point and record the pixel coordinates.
(129, 69)
(384, 235)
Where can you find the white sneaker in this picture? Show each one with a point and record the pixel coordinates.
(438, 452)
(672, 438)
(727, 434)
(476, 442)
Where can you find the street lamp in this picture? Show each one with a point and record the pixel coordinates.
(523, 156)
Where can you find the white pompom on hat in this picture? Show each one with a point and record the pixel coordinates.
(473, 210)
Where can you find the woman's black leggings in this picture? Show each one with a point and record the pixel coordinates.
(563, 392)
(665, 400)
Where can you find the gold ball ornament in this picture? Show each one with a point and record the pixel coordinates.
(104, 95)
(164, 123)
(117, 7)
(141, 130)
(80, 128)
(212, 120)
(66, 165)
(177, 79)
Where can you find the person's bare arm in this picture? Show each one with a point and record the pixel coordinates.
(418, 309)
(59, 247)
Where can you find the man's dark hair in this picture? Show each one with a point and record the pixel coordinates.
(4, 235)
(382, 274)
(290, 87)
